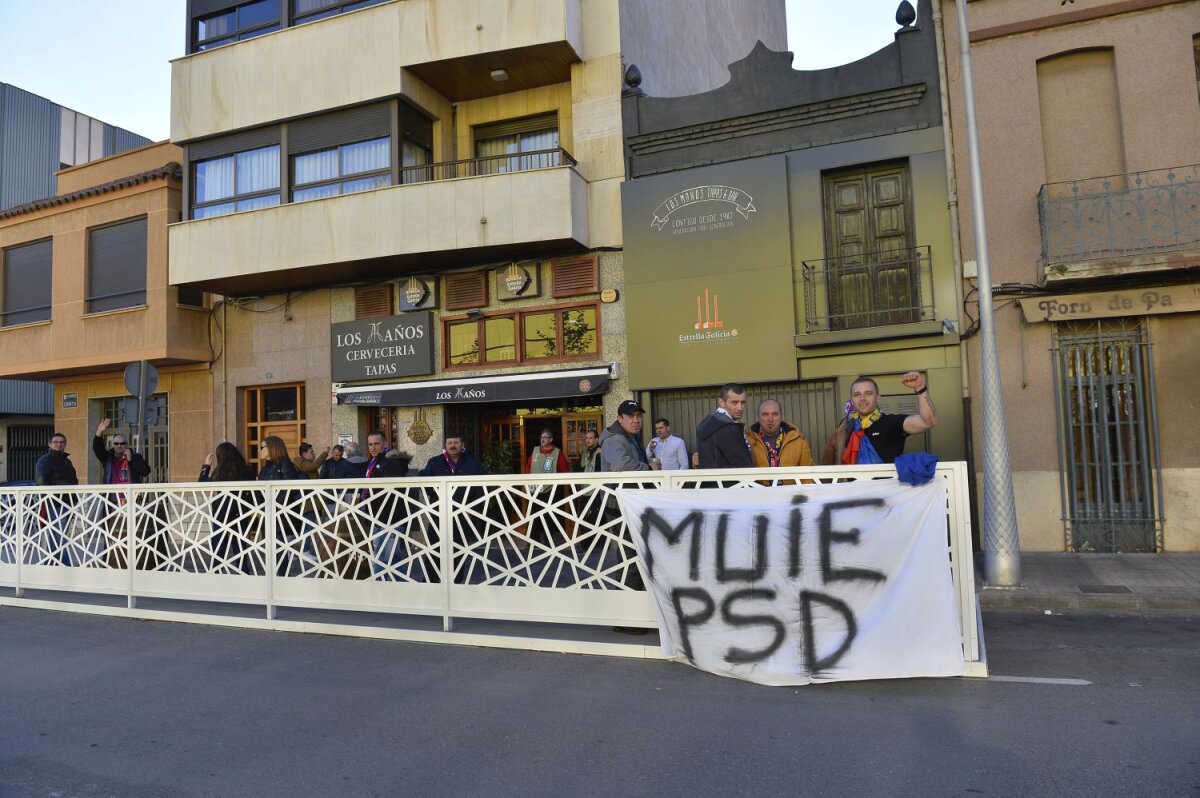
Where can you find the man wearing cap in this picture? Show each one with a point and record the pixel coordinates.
(619, 446)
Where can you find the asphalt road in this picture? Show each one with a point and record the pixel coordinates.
(93, 706)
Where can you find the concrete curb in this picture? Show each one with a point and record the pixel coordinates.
(1009, 599)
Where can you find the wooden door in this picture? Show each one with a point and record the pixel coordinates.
(575, 425)
(502, 436)
(871, 270)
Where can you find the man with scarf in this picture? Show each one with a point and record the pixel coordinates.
(774, 443)
(122, 466)
(872, 436)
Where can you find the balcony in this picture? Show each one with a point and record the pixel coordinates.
(1122, 224)
(400, 48)
(885, 294)
(441, 215)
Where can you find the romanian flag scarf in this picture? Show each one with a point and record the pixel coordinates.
(859, 450)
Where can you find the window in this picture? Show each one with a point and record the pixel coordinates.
(27, 272)
(190, 296)
(367, 164)
(117, 266)
(414, 155)
(274, 410)
(312, 10)
(536, 135)
(546, 334)
(241, 181)
(559, 333)
(235, 24)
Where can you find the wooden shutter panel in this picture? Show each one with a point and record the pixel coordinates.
(466, 290)
(373, 300)
(575, 277)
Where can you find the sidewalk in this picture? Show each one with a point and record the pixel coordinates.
(1131, 582)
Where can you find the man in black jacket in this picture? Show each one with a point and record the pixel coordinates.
(388, 511)
(721, 436)
(55, 468)
(122, 466)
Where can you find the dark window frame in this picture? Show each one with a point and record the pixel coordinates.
(343, 177)
(5, 312)
(332, 8)
(521, 357)
(239, 32)
(235, 198)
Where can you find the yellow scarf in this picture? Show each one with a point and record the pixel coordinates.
(869, 420)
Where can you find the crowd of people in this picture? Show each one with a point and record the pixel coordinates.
(864, 435)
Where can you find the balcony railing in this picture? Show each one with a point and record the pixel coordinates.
(875, 289)
(1121, 216)
(490, 165)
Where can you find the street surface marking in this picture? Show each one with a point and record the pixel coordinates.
(1037, 680)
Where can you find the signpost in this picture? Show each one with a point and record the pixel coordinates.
(141, 380)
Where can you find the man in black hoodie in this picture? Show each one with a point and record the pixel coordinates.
(721, 436)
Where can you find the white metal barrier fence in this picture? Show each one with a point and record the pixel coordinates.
(549, 549)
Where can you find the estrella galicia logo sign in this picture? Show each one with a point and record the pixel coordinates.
(668, 210)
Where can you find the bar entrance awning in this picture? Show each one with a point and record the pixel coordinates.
(497, 388)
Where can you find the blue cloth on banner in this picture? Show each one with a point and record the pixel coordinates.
(916, 468)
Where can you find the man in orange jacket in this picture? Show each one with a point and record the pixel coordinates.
(774, 443)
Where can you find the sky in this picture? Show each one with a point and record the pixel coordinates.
(110, 59)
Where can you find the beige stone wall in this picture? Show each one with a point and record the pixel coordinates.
(273, 340)
(189, 393)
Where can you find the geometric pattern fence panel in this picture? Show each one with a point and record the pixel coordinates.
(551, 548)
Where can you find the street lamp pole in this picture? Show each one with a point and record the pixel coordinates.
(1001, 545)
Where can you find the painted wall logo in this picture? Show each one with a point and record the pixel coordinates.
(681, 224)
(709, 326)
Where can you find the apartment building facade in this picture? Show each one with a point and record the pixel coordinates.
(1089, 124)
(789, 231)
(410, 209)
(85, 293)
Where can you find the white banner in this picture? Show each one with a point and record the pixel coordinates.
(799, 584)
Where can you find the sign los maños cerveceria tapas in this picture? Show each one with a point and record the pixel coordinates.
(393, 346)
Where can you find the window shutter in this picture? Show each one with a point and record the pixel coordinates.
(466, 290)
(117, 266)
(373, 300)
(27, 271)
(575, 277)
(237, 142)
(343, 127)
(510, 127)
